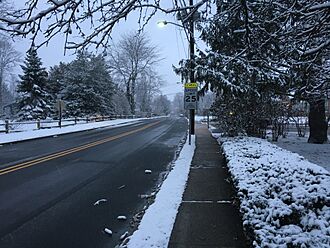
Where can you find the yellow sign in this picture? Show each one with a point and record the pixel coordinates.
(190, 85)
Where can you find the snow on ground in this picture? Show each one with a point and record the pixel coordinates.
(33, 134)
(315, 153)
(284, 199)
(199, 118)
(157, 223)
(202, 118)
(32, 125)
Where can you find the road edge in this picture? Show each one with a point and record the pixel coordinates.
(156, 225)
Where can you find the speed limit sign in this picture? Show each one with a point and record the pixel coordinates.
(190, 96)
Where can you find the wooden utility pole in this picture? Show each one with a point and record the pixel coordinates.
(192, 68)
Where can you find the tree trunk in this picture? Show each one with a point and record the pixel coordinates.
(129, 94)
(132, 102)
(317, 122)
(132, 105)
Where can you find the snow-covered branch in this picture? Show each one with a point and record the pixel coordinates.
(325, 5)
(316, 49)
(71, 17)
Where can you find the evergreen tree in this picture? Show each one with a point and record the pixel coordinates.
(33, 99)
(102, 83)
(56, 84)
(266, 50)
(236, 66)
(87, 86)
(120, 102)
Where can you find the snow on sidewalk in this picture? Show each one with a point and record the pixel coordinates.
(284, 199)
(33, 134)
(157, 223)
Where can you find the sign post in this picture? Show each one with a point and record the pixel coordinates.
(60, 106)
(190, 103)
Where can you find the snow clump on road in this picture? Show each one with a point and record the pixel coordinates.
(284, 199)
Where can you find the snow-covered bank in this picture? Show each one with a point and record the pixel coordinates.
(157, 223)
(284, 199)
(33, 134)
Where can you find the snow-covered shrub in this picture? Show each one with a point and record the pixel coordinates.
(284, 199)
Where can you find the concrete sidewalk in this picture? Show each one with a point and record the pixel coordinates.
(207, 216)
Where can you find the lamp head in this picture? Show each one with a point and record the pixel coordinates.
(161, 24)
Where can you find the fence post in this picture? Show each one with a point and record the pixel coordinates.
(38, 123)
(7, 126)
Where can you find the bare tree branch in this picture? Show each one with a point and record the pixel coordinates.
(133, 58)
(9, 57)
(71, 17)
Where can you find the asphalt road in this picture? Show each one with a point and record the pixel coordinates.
(48, 186)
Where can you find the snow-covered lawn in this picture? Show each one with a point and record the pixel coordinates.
(315, 153)
(33, 134)
(202, 118)
(157, 223)
(284, 199)
(32, 125)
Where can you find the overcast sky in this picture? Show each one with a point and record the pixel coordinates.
(170, 39)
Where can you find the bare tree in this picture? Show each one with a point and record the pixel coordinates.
(120, 103)
(177, 104)
(130, 59)
(161, 105)
(147, 86)
(91, 20)
(8, 59)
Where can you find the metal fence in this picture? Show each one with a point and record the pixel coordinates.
(9, 126)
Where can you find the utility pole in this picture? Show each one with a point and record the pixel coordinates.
(192, 66)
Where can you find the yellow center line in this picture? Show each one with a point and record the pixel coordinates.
(69, 151)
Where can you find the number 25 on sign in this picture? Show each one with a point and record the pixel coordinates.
(190, 98)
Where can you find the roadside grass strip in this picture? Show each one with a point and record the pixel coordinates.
(157, 222)
(284, 199)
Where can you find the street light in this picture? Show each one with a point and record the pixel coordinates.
(191, 41)
(163, 23)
